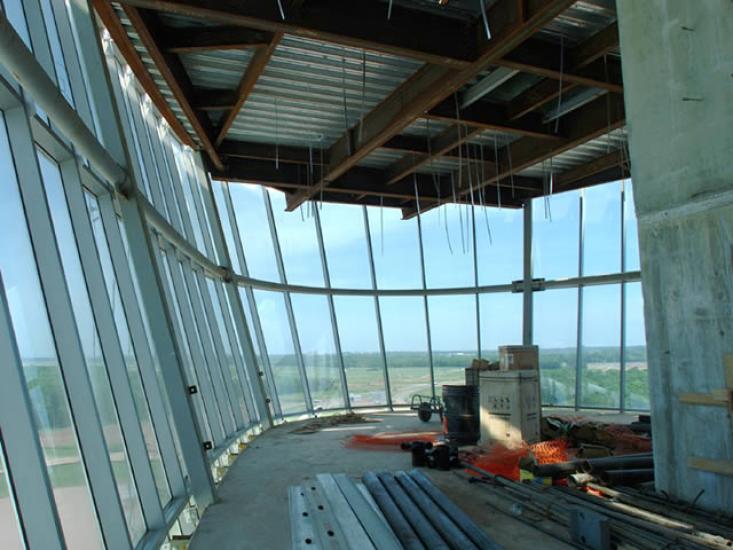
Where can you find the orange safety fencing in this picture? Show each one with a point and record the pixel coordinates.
(390, 441)
(504, 461)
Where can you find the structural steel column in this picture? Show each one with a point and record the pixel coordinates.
(677, 79)
(527, 335)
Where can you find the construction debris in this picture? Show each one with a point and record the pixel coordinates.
(323, 422)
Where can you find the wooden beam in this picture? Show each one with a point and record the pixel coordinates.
(202, 39)
(132, 58)
(428, 37)
(170, 67)
(430, 85)
(589, 122)
(254, 69)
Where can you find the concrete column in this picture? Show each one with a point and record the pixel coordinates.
(678, 80)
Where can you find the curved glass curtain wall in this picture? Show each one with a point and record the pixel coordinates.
(348, 307)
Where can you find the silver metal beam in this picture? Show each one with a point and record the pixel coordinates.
(486, 85)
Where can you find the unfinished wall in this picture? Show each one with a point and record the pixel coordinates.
(678, 78)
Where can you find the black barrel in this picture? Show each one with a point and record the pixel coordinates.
(461, 414)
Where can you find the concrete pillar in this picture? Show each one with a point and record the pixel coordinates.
(677, 60)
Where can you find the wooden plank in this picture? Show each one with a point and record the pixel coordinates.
(254, 69)
(348, 521)
(374, 524)
(172, 71)
(722, 467)
(303, 534)
(132, 58)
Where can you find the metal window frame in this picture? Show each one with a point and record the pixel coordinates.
(423, 279)
(39, 525)
(78, 389)
(288, 302)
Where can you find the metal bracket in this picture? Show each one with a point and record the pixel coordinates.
(192, 390)
(208, 445)
(537, 285)
(590, 529)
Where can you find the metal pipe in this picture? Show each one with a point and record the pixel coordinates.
(459, 517)
(627, 462)
(19, 60)
(395, 518)
(427, 533)
(627, 477)
(450, 532)
(557, 470)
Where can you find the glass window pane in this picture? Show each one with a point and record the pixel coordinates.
(602, 229)
(56, 52)
(453, 337)
(123, 333)
(41, 368)
(637, 374)
(95, 363)
(296, 233)
(344, 238)
(601, 346)
(501, 322)
(556, 334)
(406, 344)
(220, 190)
(319, 351)
(185, 346)
(184, 174)
(447, 234)
(10, 531)
(359, 335)
(229, 367)
(250, 210)
(631, 229)
(246, 305)
(395, 247)
(499, 254)
(278, 338)
(15, 13)
(555, 235)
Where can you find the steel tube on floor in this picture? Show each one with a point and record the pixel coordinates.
(427, 533)
(459, 517)
(627, 477)
(450, 532)
(395, 518)
(627, 462)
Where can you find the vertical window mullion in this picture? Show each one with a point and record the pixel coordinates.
(24, 457)
(141, 344)
(63, 323)
(113, 355)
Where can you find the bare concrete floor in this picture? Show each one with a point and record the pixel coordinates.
(252, 507)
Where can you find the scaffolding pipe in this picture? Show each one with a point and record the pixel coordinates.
(34, 79)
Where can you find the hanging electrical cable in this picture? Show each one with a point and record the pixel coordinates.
(282, 11)
(496, 163)
(381, 223)
(389, 10)
(277, 138)
(346, 109)
(363, 96)
(559, 94)
(482, 6)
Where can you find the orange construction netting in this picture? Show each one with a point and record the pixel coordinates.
(390, 441)
(504, 461)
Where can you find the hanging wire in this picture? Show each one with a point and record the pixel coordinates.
(608, 106)
(346, 109)
(460, 149)
(511, 170)
(277, 138)
(363, 95)
(482, 6)
(280, 7)
(496, 163)
(389, 10)
(381, 222)
(559, 94)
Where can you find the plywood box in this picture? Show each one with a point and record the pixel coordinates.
(518, 358)
(510, 407)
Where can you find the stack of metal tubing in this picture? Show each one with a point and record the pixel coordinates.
(421, 515)
(627, 470)
(633, 520)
